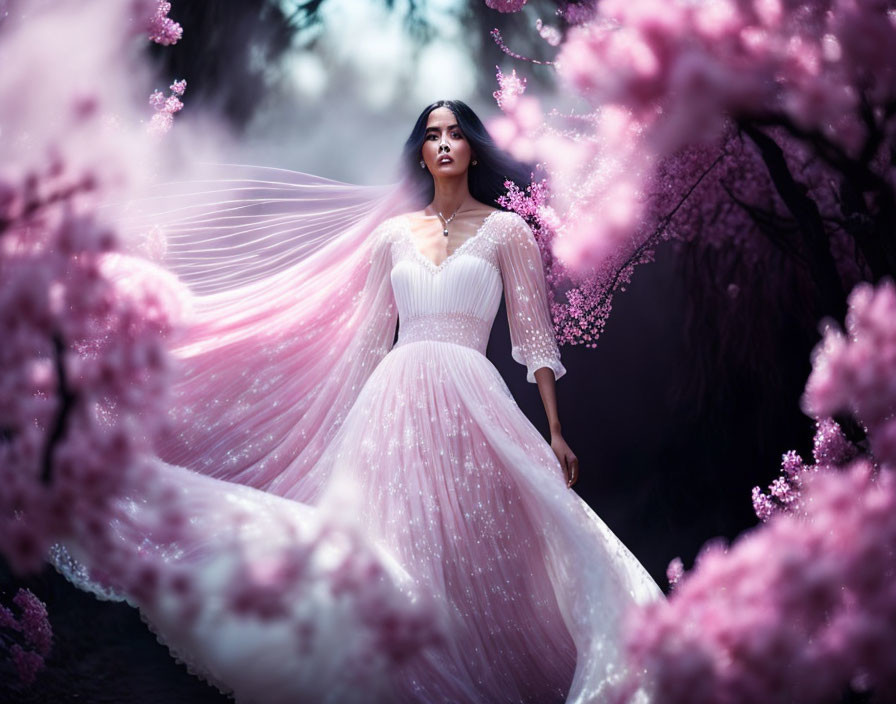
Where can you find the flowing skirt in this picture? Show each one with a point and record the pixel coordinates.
(459, 494)
(460, 487)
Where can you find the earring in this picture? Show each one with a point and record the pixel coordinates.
(475, 162)
(422, 165)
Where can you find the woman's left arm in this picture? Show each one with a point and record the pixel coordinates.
(533, 342)
(544, 377)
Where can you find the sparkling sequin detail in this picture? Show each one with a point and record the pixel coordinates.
(457, 328)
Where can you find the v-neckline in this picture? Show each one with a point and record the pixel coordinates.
(429, 262)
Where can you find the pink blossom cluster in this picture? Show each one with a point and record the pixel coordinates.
(510, 87)
(532, 206)
(659, 76)
(596, 198)
(580, 301)
(801, 608)
(548, 32)
(309, 575)
(586, 287)
(579, 304)
(674, 572)
(577, 11)
(506, 5)
(854, 371)
(795, 611)
(84, 366)
(32, 628)
(698, 61)
(268, 586)
(400, 629)
(831, 450)
(162, 29)
(165, 107)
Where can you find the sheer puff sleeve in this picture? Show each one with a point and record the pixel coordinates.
(532, 338)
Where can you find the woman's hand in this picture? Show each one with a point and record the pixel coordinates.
(567, 457)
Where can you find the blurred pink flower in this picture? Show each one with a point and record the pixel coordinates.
(548, 32)
(510, 88)
(802, 607)
(681, 71)
(855, 371)
(791, 612)
(165, 108)
(506, 5)
(674, 572)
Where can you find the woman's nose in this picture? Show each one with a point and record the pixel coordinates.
(443, 146)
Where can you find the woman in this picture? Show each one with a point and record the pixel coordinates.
(292, 384)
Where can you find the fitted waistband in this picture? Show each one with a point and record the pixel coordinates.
(458, 328)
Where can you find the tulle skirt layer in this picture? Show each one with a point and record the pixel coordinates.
(453, 490)
(433, 445)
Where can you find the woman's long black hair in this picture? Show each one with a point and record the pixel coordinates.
(485, 180)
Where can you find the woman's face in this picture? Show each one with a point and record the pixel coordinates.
(445, 150)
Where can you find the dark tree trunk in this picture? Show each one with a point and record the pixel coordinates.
(815, 239)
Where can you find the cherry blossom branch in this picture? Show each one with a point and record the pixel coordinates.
(806, 212)
(657, 235)
(857, 174)
(67, 401)
(775, 228)
(499, 40)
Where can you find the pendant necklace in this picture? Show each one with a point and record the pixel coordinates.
(445, 222)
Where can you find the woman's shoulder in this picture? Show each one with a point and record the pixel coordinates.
(389, 225)
(510, 227)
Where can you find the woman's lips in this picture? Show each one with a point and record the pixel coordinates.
(444, 160)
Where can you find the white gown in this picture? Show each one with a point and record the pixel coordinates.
(453, 486)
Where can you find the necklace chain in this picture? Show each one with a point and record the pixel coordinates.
(445, 222)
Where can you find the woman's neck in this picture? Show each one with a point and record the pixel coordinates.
(450, 196)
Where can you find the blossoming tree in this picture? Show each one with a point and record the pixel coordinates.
(789, 106)
(801, 609)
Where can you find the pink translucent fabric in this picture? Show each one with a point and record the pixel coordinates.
(294, 313)
(290, 383)
(318, 649)
(533, 343)
(464, 488)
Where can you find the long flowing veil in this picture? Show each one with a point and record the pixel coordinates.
(286, 307)
(243, 223)
(290, 310)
